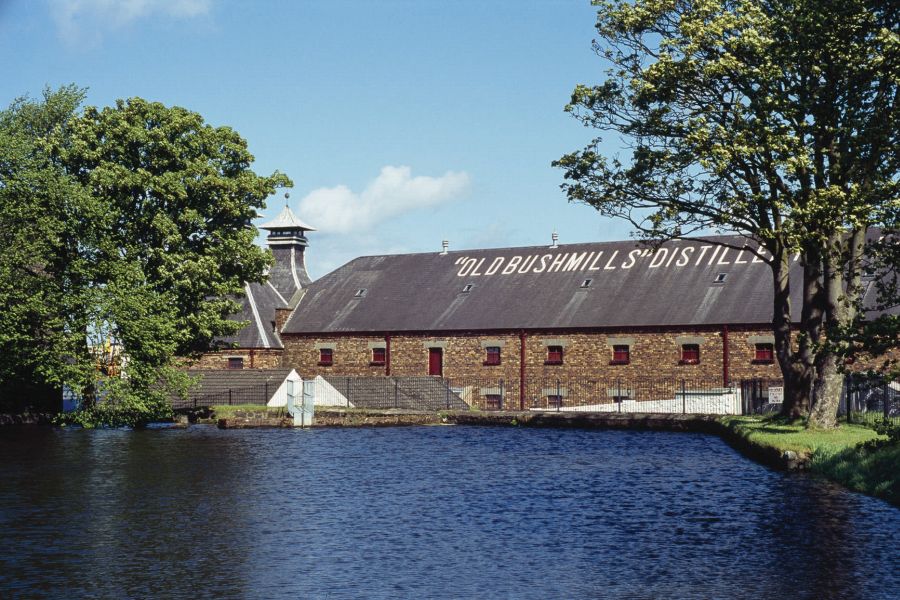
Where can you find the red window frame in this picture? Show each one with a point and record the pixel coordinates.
(690, 354)
(379, 356)
(621, 354)
(554, 355)
(764, 354)
(492, 355)
(235, 362)
(554, 400)
(326, 357)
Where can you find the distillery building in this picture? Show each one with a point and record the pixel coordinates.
(524, 325)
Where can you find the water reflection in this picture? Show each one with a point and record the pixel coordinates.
(426, 512)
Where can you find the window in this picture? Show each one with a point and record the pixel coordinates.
(554, 355)
(326, 357)
(493, 402)
(360, 293)
(467, 288)
(379, 356)
(587, 283)
(492, 355)
(720, 278)
(554, 401)
(235, 362)
(621, 354)
(690, 354)
(765, 354)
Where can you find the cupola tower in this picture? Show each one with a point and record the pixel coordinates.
(287, 241)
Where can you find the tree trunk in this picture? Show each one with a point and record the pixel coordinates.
(827, 394)
(843, 254)
(797, 385)
(797, 375)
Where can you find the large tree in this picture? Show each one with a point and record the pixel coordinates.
(134, 225)
(775, 120)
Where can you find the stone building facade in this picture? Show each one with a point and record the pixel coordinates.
(544, 322)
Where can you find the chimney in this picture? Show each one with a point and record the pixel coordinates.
(555, 238)
(281, 316)
(445, 245)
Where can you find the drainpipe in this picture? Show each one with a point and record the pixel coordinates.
(387, 355)
(725, 355)
(522, 370)
(251, 357)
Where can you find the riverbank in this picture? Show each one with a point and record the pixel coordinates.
(839, 455)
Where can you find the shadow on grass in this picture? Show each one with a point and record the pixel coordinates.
(872, 471)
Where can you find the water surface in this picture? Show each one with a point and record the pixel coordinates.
(426, 512)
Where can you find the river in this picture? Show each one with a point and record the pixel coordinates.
(426, 512)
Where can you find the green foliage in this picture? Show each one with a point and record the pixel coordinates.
(775, 120)
(853, 455)
(887, 428)
(125, 235)
(872, 468)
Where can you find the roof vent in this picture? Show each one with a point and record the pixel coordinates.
(554, 237)
(444, 246)
(720, 278)
(587, 283)
(360, 293)
(467, 288)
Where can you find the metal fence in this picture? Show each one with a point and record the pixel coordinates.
(625, 395)
(259, 395)
(867, 399)
(863, 399)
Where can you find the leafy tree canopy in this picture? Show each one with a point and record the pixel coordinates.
(777, 120)
(128, 224)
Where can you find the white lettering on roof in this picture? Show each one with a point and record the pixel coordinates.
(600, 260)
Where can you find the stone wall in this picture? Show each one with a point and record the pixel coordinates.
(253, 358)
(587, 368)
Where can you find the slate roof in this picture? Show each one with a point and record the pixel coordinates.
(247, 386)
(258, 307)
(286, 219)
(520, 288)
(412, 393)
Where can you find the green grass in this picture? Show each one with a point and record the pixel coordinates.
(834, 454)
(872, 472)
(227, 411)
(795, 436)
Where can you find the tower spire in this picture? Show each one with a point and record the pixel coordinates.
(287, 241)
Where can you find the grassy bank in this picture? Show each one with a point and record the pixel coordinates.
(839, 454)
(228, 411)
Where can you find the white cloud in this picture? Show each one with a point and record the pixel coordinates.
(76, 17)
(395, 191)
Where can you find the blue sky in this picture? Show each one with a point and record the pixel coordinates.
(401, 123)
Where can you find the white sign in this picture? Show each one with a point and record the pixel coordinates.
(610, 260)
(776, 395)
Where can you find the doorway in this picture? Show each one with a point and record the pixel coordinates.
(436, 362)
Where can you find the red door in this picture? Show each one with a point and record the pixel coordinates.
(436, 362)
